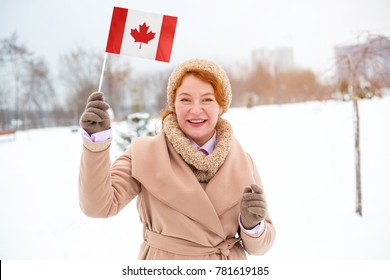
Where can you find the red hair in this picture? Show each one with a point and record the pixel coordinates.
(204, 76)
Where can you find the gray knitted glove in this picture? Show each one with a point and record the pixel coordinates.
(253, 206)
(95, 117)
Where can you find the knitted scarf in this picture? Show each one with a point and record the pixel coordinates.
(203, 166)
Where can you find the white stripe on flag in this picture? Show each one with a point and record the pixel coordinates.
(134, 20)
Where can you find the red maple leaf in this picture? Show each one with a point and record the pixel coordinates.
(142, 36)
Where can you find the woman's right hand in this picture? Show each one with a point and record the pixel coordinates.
(95, 117)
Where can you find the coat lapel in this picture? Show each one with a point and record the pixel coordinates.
(173, 181)
(226, 188)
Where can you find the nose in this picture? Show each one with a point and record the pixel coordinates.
(196, 108)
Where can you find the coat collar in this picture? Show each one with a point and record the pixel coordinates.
(204, 166)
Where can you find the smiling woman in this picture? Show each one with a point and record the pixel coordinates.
(196, 109)
(200, 195)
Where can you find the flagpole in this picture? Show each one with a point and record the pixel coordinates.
(101, 76)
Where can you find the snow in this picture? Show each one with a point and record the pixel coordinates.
(305, 155)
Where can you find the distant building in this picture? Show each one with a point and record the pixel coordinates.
(278, 59)
(374, 65)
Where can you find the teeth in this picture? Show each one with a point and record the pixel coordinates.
(196, 121)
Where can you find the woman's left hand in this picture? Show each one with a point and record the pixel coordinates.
(253, 206)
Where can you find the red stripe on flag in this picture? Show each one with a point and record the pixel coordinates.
(168, 28)
(117, 28)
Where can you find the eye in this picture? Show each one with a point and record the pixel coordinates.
(208, 99)
(184, 99)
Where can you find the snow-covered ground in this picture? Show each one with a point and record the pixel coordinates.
(304, 152)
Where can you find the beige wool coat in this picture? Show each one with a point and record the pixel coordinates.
(182, 218)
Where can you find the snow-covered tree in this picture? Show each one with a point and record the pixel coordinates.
(358, 64)
(137, 124)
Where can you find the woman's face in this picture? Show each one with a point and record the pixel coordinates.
(196, 109)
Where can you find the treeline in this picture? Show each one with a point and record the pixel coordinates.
(29, 95)
(26, 88)
(258, 86)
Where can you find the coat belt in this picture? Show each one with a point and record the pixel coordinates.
(184, 247)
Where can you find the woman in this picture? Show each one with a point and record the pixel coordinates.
(199, 194)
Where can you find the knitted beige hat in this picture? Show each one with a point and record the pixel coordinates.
(200, 64)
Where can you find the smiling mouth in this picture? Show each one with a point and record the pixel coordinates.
(196, 121)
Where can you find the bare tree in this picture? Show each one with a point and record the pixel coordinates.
(117, 84)
(149, 92)
(13, 58)
(39, 94)
(368, 61)
(81, 71)
(297, 85)
(261, 82)
(26, 92)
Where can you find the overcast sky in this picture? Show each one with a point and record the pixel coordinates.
(223, 30)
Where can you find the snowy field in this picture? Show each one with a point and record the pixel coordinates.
(305, 155)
